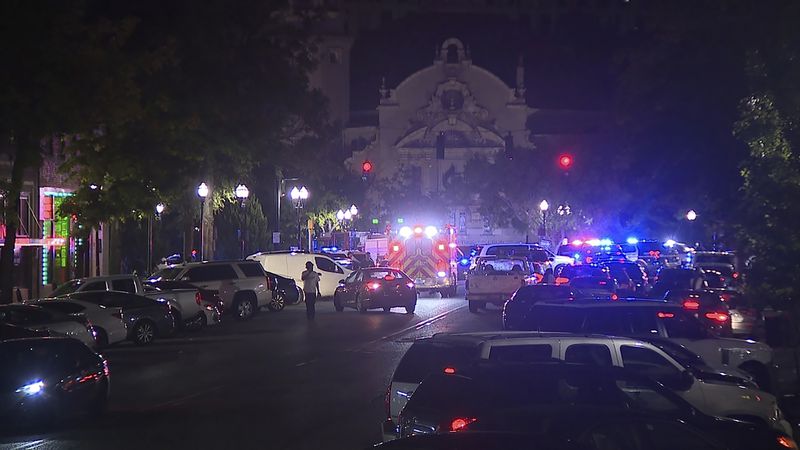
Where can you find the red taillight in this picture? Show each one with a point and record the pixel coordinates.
(665, 315)
(589, 259)
(373, 286)
(614, 297)
(449, 370)
(735, 275)
(198, 298)
(459, 423)
(787, 442)
(602, 283)
(717, 316)
(693, 305)
(562, 280)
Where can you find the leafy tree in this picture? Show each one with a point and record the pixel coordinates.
(236, 222)
(66, 75)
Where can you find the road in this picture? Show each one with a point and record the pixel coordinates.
(275, 382)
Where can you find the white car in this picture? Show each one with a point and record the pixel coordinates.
(710, 391)
(292, 265)
(53, 322)
(533, 252)
(106, 322)
(243, 286)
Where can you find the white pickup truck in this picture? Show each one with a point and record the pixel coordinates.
(494, 280)
(188, 305)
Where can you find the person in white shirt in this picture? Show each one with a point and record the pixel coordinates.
(310, 289)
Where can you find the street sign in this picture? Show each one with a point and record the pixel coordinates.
(276, 237)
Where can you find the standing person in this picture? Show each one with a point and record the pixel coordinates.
(310, 288)
(370, 262)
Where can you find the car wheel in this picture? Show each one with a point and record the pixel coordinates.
(198, 323)
(361, 306)
(144, 332)
(244, 308)
(278, 302)
(410, 308)
(101, 337)
(337, 303)
(176, 317)
(386, 309)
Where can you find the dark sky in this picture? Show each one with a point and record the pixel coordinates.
(567, 68)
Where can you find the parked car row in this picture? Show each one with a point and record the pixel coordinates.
(564, 387)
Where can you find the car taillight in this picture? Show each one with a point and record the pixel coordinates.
(460, 423)
(665, 315)
(373, 286)
(787, 442)
(692, 305)
(562, 280)
(269, 282)
(614, 297)
(450, 370)
(198, 298)
(717, 316)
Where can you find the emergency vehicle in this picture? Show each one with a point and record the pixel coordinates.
(428, 255)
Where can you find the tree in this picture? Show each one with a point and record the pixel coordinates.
(67, 76)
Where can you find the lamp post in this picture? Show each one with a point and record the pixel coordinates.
(241, 194)
(691, 216)
(299, 196)
(150, 238)
(543, 207)
(202, 192)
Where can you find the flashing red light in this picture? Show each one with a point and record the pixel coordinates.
(366, 167)
(395, 248)
(565, 161)
(441, 246)
(449, 370)
(717, 316)
(418, 230)
(735, 275)
(693, 305)
(460, 423)
(665, 315)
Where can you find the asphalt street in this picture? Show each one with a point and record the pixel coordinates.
(275, 382)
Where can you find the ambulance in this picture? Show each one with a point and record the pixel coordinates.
(428, 255)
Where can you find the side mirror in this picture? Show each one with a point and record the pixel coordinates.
(682, 381)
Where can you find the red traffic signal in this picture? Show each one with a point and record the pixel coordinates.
(366, 167)
(565, 161)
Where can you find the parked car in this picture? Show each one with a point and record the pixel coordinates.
(639, 317)
(631, 278)
(243, 286)
(50, 378)
(8, 331)
(596, 288)
(54, 323)
(185, 299)
(516, 308)
(202, 308)
(594, 406)
(292, 265)
(707, 306)
(567, 273)
(532, 252)
(671, 279)
(376, 287)
(284, 289)
(118, 316)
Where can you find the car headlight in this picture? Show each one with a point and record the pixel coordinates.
(31, 389)
(441, 274)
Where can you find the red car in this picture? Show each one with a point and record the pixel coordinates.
(376, 287)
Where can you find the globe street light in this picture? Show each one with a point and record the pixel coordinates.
(202, 192)
(299, 196)
(543, 207)
(159, 210)
(241, 193)
(150, 238)
(691, 215)
(340, 215)
(353, 210)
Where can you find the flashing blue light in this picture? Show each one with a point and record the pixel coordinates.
(606, 242)
(632, 241)
(669, 243)
(577, 256)
(31, 389)
(464, 261)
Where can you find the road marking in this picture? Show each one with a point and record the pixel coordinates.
(180, 400)
(30, 445)
(417, 326)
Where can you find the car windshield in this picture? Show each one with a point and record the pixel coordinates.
(543, 292)
(581, 271)
(67, 288)
(166, 274)
(503, 265)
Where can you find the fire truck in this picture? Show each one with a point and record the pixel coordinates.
(427, 254)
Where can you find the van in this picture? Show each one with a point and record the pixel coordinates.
(292, 265)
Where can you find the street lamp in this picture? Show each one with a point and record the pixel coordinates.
(202, 192)
(299, 196)
(340, 215)
(242, 193)
(159, 209)
(691, 216)
(353, 210)
(543, 207)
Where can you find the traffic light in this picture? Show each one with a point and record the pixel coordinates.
(366, 169)
(565, 161)
(440, 145)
